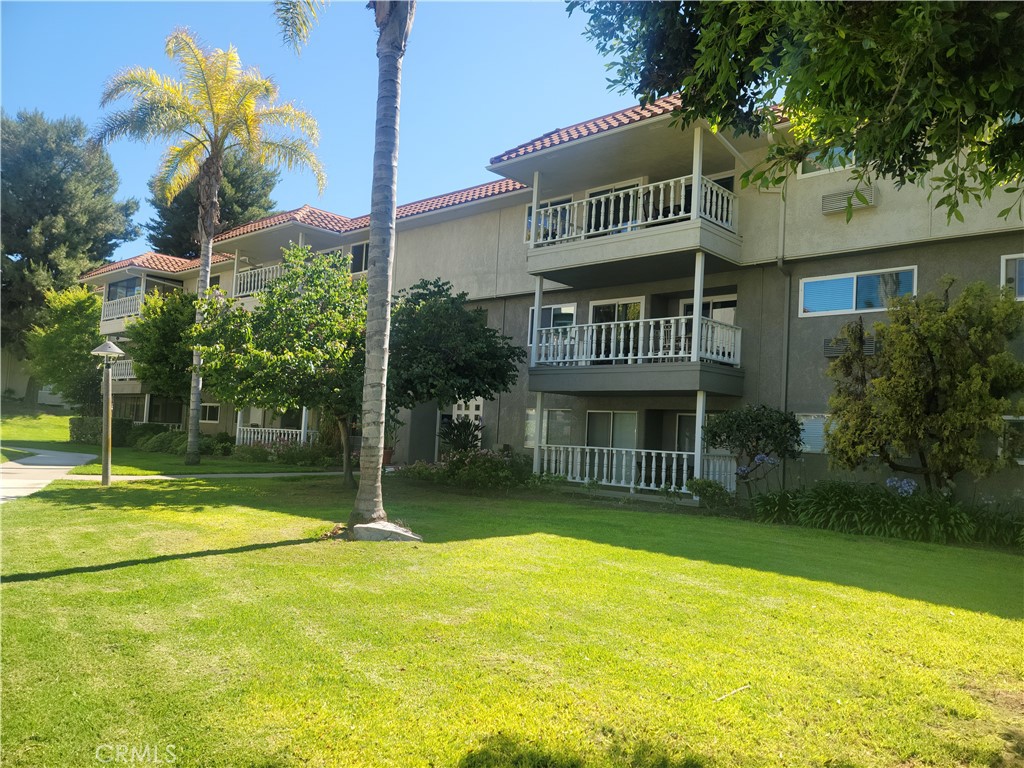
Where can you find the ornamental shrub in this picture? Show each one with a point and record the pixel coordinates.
(477, 470)
(255, 453)
(712, 493)
(140, 432)
(89, 430)
(461, 435)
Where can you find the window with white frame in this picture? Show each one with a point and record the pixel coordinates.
(469, 409)
(553, 225)
(821, 161)
(1013, 438)
(855, 292)
(209, 413)
(557, 427)
(360, 257)
(553, 316)
(812, 432)
(1013, 274)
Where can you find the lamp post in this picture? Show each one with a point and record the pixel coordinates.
(108, 350)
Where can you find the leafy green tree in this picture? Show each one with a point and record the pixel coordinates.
(905, 87)
(931, 400)
(58, 215)
(159, 343)
(394, 23)
(60, 346)
(217, 107)
(442, 350)
(758, 437)
(301, 346)
(244, 196)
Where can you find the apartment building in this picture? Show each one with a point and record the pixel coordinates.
(650, 289)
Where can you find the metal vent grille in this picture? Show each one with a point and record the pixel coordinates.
(835, 202)
(835, 347)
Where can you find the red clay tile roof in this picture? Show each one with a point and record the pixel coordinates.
(307, 214)
(463, 196)
(158, 262)
(662, 106)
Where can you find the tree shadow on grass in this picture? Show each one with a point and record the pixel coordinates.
(971, 579)
(504, 751)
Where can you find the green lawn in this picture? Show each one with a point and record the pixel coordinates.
(27, 428)
(524, 632)
(9, 454)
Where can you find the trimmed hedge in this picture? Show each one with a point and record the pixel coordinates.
(89, 430)
(141, 432)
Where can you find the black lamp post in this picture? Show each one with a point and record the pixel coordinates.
(108, 350)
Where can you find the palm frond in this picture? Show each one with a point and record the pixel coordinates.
(179, 166)
(296, 19)
(292, 153)
(192, 57)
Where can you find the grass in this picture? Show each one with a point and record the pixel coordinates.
(30, 428)
(205, 614)
(10, 454)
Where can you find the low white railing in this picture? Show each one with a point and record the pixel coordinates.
(625, 210)
(633, 468)
(123, 307)
(170, 427)
(122, 370)
(269, 436)
(249, 282)
(659, 339)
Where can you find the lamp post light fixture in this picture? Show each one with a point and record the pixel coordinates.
(108, 350)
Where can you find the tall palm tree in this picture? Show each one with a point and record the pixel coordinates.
(214, 108)
(394, 22)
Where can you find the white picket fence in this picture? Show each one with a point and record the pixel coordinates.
(267, 436)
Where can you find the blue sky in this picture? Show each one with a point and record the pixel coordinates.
(479, 78)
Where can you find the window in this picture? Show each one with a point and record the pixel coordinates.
(855, 292)
(553, 316)
(812, 432)
(557, 427)
(1013, 438)
(824, 161)
(209, 413)
(360, 257)
(1013, 274)
(214, 281)
(469, 409)
(122, 289)
(553, 225)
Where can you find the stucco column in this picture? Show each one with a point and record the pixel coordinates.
(234, 276)
(698, 434)
(698, 301)
(538, 431)
(698, 171)
(536, 202)
(304, 434)
(145, 411)
(538, 303)
(238, 426)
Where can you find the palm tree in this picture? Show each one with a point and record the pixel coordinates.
(215, 108)
(394, 22)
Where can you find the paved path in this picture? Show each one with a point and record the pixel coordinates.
(33, 473)
(118, 478)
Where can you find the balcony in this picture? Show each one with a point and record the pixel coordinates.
(633, 468)
(269, 437)
(123, 370)
(255, 280)
(124, 307)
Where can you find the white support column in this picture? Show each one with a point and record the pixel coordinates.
(238, 425)
(305, 425)
(145, 411)
(698, 434)
(698, 301)
(234, 276)
(538, 432)
(302, 240)
(538, 303)
(536, 202)
(698, 171)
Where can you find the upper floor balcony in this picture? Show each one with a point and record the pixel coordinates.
(127, 306)
(255, 280)
(123, 370)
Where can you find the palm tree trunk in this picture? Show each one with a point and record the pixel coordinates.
(209, 217)
(394, 21)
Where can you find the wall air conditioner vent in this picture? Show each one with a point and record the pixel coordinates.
(835, 202)
(836, 347)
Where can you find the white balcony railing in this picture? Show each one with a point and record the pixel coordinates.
(627, 210)
(124, 307)
(633, 468)
(269, 437)
(249, 282)
(660, 339)
(122, 370)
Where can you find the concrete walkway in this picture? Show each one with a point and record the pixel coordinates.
(234, 475)
(33, 473)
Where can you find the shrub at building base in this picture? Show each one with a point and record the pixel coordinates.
(477, 470)
(141, 432)
(89, 430)
(900, 512)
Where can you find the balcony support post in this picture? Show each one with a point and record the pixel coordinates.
(536, 202)
(698, 434)
(538, 303)
(304, 434)
(538, 432)
(698, 171)
(698, 302)
(234, 276)
(238, 425)
(145, 409)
